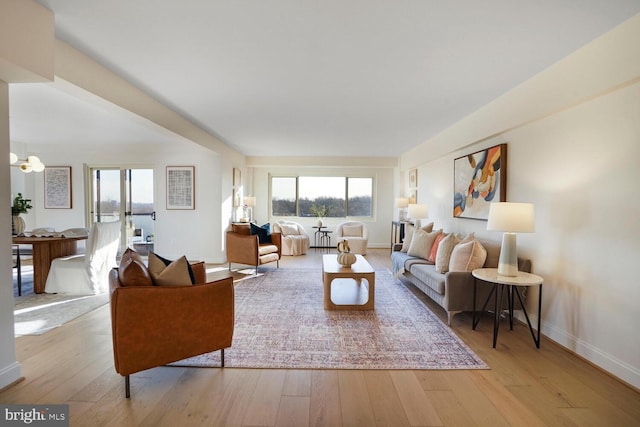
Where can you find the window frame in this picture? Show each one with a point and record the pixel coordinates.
(346, 196)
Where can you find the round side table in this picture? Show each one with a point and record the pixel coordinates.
(511, 283)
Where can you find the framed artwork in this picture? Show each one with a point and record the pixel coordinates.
(478, 179)
(180, 187)
(57, 187)
(413, 178)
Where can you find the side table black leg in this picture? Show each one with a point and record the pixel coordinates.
(473, 321)
(526, 316)
(510, 302)
(539, 313)
(496, 324)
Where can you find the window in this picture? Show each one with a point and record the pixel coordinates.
(339, 197)
(283, 196)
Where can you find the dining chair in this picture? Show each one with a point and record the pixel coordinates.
(15, 249)
(88, 273)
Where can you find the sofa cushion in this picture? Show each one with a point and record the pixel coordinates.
(132, 272)
(408, 234)
(443, 256)
(421, 243)
(427, 274)
(467, 256)
(175, 273)
(263, 232)
(267, 249)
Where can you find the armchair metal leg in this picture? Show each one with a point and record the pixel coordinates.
(222, 358)
(229, 266)
(127, 387)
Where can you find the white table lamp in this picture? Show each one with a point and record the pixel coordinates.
(417, 212)
(401, 204)
(511, 218)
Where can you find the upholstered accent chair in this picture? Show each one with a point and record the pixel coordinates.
(356, 234)
(295, 240)
(156, 325)
(245, 248)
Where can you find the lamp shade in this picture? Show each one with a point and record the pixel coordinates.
(250, 200)
(418, 211)
(402, 202)
(511, 217)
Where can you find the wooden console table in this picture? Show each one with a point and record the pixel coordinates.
(45, 250)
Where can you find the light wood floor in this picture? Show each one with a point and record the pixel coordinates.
(524, 387)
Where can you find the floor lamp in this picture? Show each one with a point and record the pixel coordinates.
(511, 218)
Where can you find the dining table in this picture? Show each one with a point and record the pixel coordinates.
(45, 250)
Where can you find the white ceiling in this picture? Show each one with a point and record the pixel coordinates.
(309, 78)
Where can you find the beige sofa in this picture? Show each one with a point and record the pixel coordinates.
(452, 290)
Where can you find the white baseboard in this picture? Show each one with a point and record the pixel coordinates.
(605, 361)
(10, 374)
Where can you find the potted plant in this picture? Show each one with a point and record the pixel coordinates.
(320, 212)
(20, 206)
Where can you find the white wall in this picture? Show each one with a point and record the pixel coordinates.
(26, 54)
(194, 233)
(385, 177)
(575, 157)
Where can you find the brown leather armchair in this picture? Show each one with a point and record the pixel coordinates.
(156, 325)
(244, 247)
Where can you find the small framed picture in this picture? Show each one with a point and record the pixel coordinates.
(57, 187)
(180, 187)
(413, 178)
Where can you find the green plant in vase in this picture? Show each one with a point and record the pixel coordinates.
(20, 206)
(320, 212)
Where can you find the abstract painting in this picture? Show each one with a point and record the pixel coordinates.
(478, 179)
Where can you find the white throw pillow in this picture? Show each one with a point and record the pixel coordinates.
(408, 234)
(352, 231)
(467, 256)
(443, 256)
(289, 230)
(421, 243)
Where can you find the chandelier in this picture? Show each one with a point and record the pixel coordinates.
(30, 164)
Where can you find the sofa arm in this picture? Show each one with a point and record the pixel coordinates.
(156, 325)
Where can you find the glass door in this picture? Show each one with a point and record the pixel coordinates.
(125, 195)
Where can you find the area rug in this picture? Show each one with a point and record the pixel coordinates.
(281, 323)
(35, 314)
